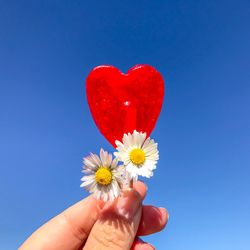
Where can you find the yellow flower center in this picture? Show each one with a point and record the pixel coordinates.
(137, 156)
(103, 176)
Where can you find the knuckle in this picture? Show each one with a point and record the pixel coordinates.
(110, 239)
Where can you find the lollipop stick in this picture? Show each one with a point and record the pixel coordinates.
(130, 121)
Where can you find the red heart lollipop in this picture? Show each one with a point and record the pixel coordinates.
(121, 103)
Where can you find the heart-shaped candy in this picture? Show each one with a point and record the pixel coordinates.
(121, 103)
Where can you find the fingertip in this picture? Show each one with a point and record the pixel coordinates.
(164, 215)
(154, 219)
(141, 188)
(99, 203)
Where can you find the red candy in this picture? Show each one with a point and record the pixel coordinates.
(121, 103)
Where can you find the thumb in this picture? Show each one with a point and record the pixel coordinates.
(117, 226)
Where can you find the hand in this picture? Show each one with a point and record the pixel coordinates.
(91, 224)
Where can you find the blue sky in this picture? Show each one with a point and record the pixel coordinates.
(202, 49)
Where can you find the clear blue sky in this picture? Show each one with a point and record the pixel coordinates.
(202, 49)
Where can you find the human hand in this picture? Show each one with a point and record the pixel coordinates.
(91, 224)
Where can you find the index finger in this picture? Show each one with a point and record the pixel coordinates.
(67, 230)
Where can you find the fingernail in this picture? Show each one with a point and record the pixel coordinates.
(164, 213)
(128, 204)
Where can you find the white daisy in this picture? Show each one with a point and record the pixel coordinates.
(139, 155)
(104, 178)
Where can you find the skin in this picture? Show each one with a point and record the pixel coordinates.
(90, 224)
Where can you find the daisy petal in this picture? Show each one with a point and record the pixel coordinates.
(138, 154)
(103, 177)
